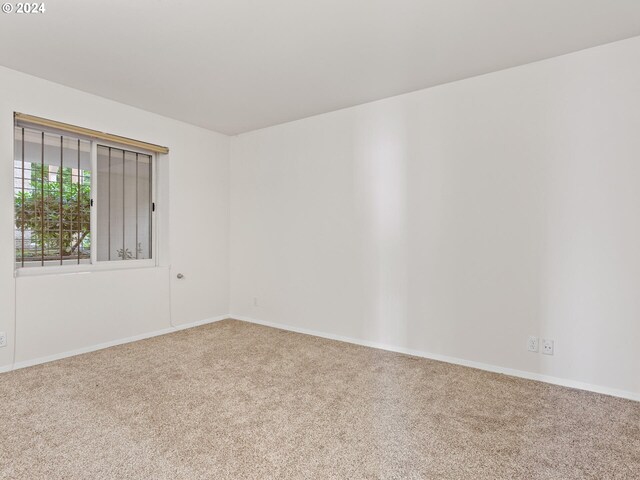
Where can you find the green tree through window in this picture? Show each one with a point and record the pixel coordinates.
(56, 216)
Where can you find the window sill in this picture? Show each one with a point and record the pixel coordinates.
(82, 269)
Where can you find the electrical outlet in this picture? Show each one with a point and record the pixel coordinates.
(3, 339)
(547, 346)
(532, 344)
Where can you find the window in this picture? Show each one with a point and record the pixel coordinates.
(80, 201)
(124, 204)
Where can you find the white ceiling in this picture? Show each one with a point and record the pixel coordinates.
(238, 65)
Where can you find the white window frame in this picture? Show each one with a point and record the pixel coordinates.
(95, 264)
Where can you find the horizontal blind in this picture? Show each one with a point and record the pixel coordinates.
(29, 120)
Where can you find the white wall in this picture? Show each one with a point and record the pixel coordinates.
(454, 221)
(458, 220)
(59, 313)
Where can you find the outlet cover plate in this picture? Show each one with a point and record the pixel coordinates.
(3, 339)
(532, 344)
(547, 346)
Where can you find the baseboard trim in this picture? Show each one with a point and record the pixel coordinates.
(453, 360)
(112, 343)
(392, 348)
(199, 323)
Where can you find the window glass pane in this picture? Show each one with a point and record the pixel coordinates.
(81, 177)
(75, 175)
(130, 210)
(50, 234)
(116, 205)
(18, 182)
(144, 206)
(31, 212)
(51, 208)
(102, 203)
(124, 200)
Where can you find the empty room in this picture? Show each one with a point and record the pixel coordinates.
(328, 239)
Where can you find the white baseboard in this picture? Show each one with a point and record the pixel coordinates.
(417, 353)
(198, 323)
(457, 361)
(112, 343)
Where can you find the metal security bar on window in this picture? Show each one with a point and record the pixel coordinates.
(124, 204)
(52, 195)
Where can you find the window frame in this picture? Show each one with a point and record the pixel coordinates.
(95, 264)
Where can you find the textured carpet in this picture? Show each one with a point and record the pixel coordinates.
(235, 400)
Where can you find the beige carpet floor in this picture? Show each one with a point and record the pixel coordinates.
(233, 400)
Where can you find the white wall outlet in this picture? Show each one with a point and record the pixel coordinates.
(532, 344)
(547, 346)
(3, 339)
